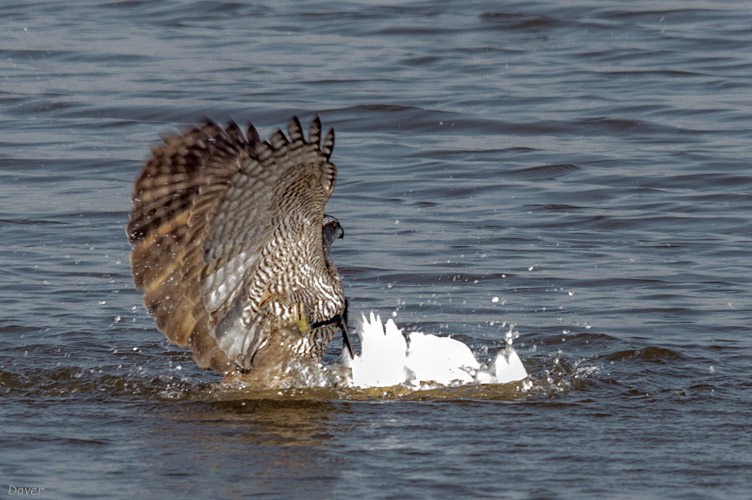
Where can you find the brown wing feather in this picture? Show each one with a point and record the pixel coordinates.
(276, 201)
(173, 200)
(206, 203)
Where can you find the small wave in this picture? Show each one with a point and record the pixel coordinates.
(524, 22)
(652, 354)
(100, 383)
(548, 172)
(31, 221)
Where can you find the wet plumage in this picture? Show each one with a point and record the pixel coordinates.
(231, 248)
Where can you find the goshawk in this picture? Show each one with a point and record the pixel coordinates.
(231, 248)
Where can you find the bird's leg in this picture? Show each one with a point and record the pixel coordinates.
(346, 338)
(341, 321)
(301, 320)
(345, 334)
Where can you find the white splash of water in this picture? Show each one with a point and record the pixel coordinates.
(388, 359)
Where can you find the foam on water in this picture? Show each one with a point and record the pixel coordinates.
(388, 358)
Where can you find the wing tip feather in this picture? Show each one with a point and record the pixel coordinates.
(328, 147)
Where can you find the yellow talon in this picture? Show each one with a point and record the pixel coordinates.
(301, 321)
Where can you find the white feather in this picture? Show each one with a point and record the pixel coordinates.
(386, 359)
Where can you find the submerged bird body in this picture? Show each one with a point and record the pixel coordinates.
(420, 360)
(232, 249)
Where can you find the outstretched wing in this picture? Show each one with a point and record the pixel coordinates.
(206, 205)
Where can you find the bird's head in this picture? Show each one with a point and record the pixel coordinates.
(330, 231)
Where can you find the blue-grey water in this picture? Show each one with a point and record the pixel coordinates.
(589, 165)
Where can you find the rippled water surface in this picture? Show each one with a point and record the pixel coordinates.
(579, 172)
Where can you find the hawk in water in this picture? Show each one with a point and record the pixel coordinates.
(231, 248)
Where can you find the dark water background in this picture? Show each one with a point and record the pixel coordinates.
(589, 165)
